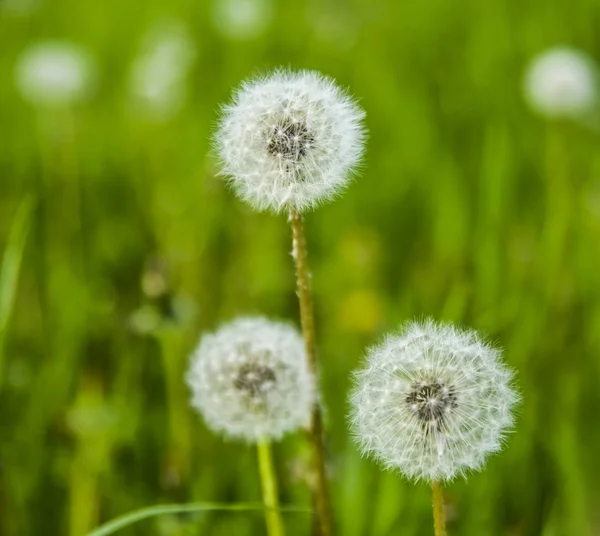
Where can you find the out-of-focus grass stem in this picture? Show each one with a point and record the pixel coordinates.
(179, 429)
(10, 269)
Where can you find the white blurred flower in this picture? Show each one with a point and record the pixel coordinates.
(432, 402)
(290, 140)
(158, 76)
(55, 73)
(562, 82)
(242, 19)
(250, 380)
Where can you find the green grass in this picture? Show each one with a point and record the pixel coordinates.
(469, 208)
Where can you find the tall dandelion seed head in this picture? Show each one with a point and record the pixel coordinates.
(290, 140)
(562, 82)
(250, 380)
(54, 73)
(432, 402)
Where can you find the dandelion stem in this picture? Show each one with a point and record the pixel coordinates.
(320, 492)
(439, 519)
(269, 489)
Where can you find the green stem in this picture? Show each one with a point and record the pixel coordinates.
(439, 517)
(320, 492)
(269, 489)
(179, 436)
(10, 268)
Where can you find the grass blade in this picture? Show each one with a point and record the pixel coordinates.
(10, 268)
(137, 515)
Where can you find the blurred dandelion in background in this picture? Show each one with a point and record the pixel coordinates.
(250, 380)
(158, 77)
(242, 19)
(432, 402)
(562, 82)
(55, 74)
(290, 140)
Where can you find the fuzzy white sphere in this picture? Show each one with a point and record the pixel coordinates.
(432, 402)
(290, 140)
(54, 73)
(250, 380)
(562, 82)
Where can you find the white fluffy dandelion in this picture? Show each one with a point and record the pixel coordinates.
(562, 82)
(54, 73)
(432, 402)
(250, 380)
(290, 140)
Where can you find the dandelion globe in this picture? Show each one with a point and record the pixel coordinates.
(433, 401)
(54, 74)
(562, 82)
(250, 380)
(290, 140)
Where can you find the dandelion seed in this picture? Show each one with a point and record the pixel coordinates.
(250, 380)
(562, 82)
(290, 140)
(432, 402)
(54, 74)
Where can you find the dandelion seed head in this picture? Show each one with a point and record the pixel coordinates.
(290, 140)
(250, 380)
(432, 402)
(54, 74)
(562, 82)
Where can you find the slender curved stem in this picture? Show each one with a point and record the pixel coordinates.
(164, 509)
(320, 492)
(269, 489)
(439, 518)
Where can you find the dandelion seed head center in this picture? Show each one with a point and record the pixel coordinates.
(289, 140)
(254, 379)
(430, 401)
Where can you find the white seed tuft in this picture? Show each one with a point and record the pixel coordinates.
(290, 140)
(433, 401)
(250, 380)
(54, 73)
(562, 82)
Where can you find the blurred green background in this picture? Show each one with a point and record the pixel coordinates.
(469, 208)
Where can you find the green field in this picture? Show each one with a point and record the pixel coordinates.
(120, 245)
